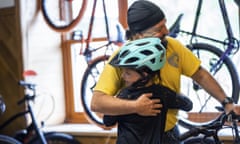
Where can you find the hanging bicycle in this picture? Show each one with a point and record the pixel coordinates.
(216, 61)
(60, 20)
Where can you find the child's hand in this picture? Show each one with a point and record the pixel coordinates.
(146, 106)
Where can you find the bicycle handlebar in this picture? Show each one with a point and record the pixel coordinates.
(27, 97)
(27, 85)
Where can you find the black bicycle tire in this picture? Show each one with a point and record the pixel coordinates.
(8, 140)
(92, 64)
(56, 138)
(229, 65)
(64, 28)
(199, 140)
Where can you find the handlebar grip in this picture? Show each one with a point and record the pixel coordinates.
(191, 132)
(26, 84)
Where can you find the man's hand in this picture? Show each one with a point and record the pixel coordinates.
(146, 106)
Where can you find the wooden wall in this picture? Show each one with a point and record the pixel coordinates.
(10, 66)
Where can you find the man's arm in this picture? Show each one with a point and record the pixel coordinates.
(114, 106)
(207, 82)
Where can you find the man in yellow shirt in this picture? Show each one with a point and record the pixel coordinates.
(145, 19)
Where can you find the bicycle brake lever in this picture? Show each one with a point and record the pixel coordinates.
(220, 108)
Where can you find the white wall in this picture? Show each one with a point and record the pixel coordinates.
(42, 53)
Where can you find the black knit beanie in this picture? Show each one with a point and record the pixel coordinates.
(143, 14)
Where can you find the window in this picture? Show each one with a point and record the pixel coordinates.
(75, 63)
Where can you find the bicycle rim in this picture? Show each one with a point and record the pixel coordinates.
(52, 14)
(203, 104)
(56, 138)
(8, 140)
(90, 78)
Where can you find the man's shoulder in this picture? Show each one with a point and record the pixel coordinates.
(174, 43)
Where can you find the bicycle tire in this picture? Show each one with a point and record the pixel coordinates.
(226, 76)
(56, 138)
(60, 27)
(199, 140)
(90, 78)
(8, 140)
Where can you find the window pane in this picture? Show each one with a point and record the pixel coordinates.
(79, 63)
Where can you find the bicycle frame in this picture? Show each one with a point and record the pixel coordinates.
(87, 52)
(27, 98)
(231, 42)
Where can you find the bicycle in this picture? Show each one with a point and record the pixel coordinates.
(208, 133)
(216, 61)
(4, 139)
(33, 134)
(96, 64)
(56, 20)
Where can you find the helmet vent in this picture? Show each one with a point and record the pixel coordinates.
(131, 60)
(124, 54)
(158, 47)
(146, 52)
(142, 44)
(153, 60)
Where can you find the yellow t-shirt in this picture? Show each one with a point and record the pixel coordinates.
(180, 61)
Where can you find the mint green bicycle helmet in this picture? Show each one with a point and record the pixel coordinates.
(146, 54)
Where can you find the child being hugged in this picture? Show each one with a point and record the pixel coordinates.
(141, 62)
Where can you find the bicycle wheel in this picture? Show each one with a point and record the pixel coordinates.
(56, 138)
(55, 18)
(89, 81)
(226, 76)
(199, 140)
(8, 140)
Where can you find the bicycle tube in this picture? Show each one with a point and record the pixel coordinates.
(8, 140)
(56, 138)
(89, 81)
(61, 27)
(226, 76)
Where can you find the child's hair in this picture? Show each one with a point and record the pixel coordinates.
(146, 55)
